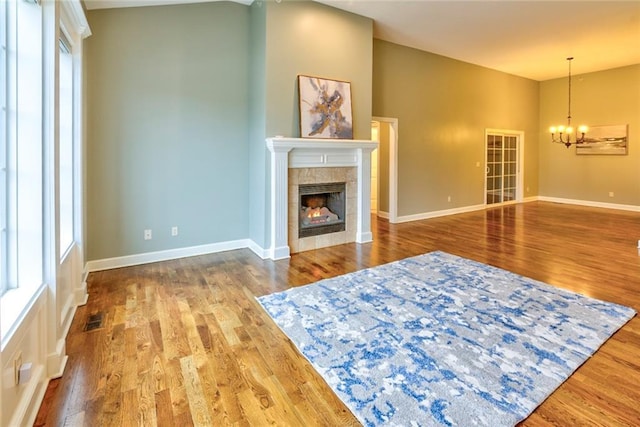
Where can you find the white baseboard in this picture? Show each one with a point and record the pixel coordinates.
(27, 410)
(435, 214)
(590, 203)
(383, 214)
(81, 295)
(57, 361)
(126, 261)
(258, 250)
(145, 258)
(282, 252)
(364, 237)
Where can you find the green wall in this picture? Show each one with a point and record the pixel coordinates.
(304, 37)
(167, 127)
(258, 160)
(610, 97)
(443, 107)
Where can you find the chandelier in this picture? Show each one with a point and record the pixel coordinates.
(565, 133)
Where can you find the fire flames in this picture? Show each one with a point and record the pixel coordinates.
(312, 216)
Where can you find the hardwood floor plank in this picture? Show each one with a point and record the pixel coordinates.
(129, 379)
(146, 382)
(113, 388)
(195, 396)
(228, 379)
(130, 415)
(184, 342)
(177, 390)
(252, 412)
(163, 408)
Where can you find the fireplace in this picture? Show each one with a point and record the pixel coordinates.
(300, 161)
(313, 189)
(322, 209)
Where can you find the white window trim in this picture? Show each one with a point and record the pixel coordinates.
(17, 301)
(16, 304)
(72, 16)
(74, 27)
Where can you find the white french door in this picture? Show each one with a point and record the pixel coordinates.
(503, 167)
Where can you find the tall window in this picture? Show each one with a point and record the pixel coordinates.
(66, 166)
(4, 134)
(21, 149)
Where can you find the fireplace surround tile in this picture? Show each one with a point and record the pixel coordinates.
(306, 175)
(300, 176)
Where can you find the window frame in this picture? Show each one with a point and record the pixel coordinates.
(66, 47)
(22, 251)
(4, 136)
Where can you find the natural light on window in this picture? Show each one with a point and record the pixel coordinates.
(22, 190)
(66, 146)
(3, 149)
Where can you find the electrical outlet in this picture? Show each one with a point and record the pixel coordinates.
(448, 198)
(17, 362)
(174, 231)
(147, 234)
(24, 375)
(610, 193)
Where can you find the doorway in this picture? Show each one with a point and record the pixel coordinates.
(384, 165)
(375, 136)
(503, 183)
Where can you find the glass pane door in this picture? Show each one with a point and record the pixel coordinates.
(502, 168)
(509, 167)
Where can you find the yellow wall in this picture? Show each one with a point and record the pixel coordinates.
(610, 97)
(443, 107)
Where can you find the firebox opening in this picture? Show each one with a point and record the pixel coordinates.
(322, 209)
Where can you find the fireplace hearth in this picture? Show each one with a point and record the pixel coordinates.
(322, 209)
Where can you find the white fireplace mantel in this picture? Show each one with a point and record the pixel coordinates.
(313, 153)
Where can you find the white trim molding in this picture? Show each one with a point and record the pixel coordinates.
(257, 249)
(392, 215)
(149, 257)
(73, 13)
(473, 208)
(316, 153)
(520, 165)
(590, 203)
(445, 212)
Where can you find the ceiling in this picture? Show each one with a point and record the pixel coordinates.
(531, 39)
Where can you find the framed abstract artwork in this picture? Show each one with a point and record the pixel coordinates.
(605, 140)
(325, 108)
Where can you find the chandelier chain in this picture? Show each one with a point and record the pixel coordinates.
(569, 109)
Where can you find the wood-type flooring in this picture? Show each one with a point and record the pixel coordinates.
(184, 342)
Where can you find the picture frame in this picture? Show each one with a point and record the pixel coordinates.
(605, 140)
(325, 108)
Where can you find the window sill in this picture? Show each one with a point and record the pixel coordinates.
(15, 305)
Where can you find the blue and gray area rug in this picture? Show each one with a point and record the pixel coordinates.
(442, 340)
